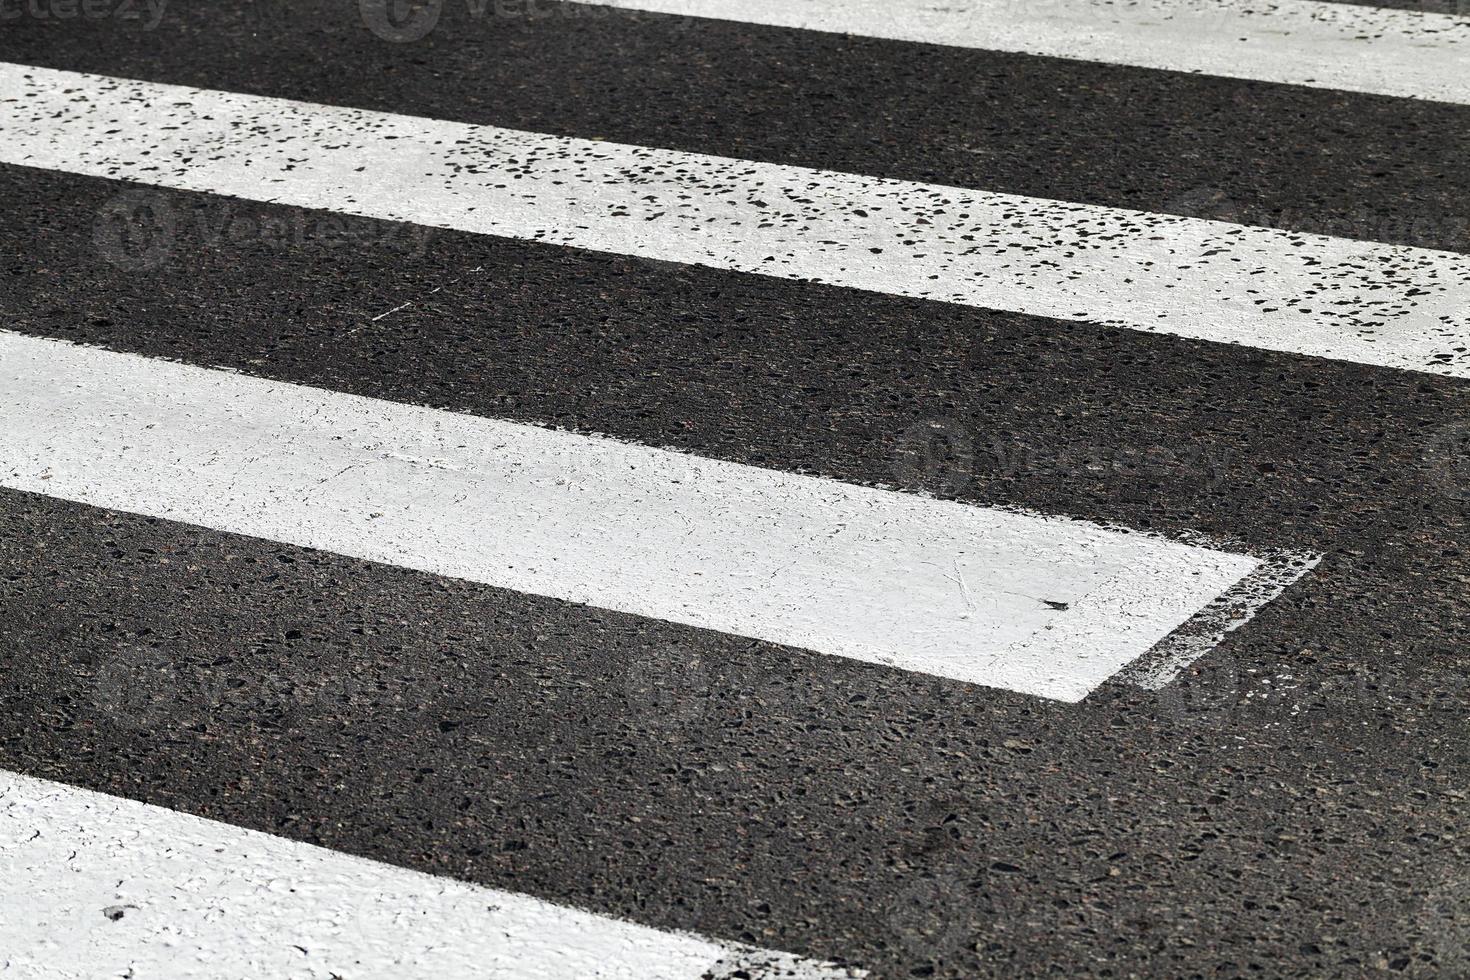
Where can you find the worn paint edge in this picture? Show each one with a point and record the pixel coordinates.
(1228, 612)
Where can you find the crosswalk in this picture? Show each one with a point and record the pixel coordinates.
(1338, 298)
(1405, 53)
(1046, 606)
(177, 894)
(574, 591)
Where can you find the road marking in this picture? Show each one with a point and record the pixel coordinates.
(1042, 605)
(1279, 290)
(98, 886)
(1347, 47)
(1228, 612)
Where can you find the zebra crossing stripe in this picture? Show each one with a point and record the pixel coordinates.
(1411, 54)
(98, 886)
(1034, 604)
(1286, 291)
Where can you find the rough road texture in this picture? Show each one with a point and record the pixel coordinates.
(1294, 805)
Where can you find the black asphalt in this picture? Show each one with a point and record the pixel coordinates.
(1294, 806)
(1358, 166)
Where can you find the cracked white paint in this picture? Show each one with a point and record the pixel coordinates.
(1375, 304)
(1352, 48)
(1042, 605)
(95, 886)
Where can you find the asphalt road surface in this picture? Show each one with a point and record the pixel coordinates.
(695, 489)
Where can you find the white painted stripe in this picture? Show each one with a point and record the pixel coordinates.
(1309, 294)
(1042, 605)
(1229, 611)
(1299, 42)
(97, 886)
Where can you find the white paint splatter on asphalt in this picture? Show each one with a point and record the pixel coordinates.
(1374, 304)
